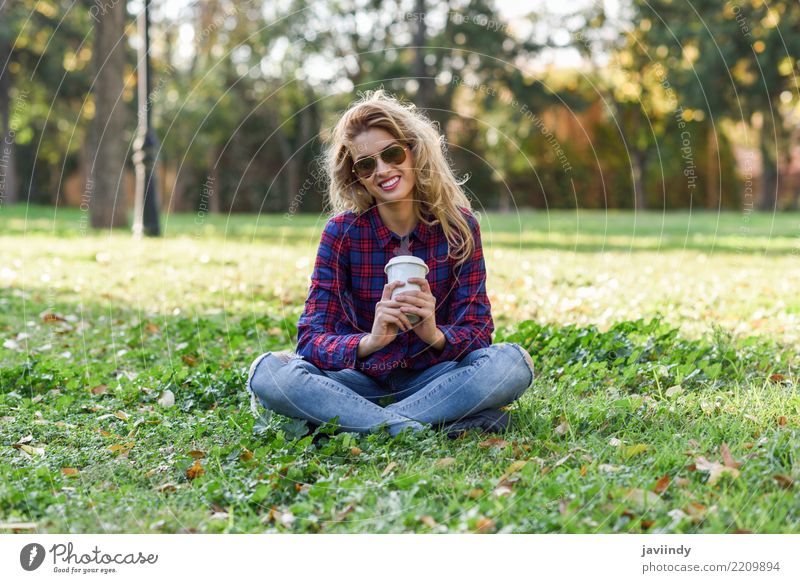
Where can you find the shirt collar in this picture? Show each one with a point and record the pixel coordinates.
(421, 232)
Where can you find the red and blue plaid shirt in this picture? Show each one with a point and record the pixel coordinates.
(348, 281)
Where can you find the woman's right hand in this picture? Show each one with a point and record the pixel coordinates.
(389, 319)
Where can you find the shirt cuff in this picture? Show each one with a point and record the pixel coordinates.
(450, 349)
(350, 357)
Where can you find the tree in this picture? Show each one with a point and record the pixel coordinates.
(737, 60)
(107, 146)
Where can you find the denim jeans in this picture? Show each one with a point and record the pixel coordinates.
(486, 378)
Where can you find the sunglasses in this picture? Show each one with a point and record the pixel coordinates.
(365, 167)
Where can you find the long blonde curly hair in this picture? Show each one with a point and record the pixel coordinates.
(437, 190)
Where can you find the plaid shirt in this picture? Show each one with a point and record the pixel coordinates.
(348, 281)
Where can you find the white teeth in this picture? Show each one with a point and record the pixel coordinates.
(390, 182)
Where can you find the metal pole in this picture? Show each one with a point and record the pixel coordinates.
(145, 157)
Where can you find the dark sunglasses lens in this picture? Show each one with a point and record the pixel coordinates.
(394, 155)
(364, 167)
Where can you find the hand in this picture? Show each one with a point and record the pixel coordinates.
(423, 304)
(389, 319)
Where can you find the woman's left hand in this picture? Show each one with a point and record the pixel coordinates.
(423, 304)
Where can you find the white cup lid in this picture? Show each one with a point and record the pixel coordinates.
(405, 259)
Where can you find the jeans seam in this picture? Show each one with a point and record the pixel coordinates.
(467, 368)
(525, 360)
(354, 398)
(249, 383)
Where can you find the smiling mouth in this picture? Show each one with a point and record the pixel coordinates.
(390, 183)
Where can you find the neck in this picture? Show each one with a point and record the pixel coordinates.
(398, 216)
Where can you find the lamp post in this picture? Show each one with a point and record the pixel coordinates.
(145, 157)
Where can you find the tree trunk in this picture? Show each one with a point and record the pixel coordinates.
(290, 170)
(424, 96)
(639, 176)
(107, 144)
(214, 203)
(768, 145)
(8, 169)
(713, 182)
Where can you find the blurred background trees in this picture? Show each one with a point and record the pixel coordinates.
(630, 104)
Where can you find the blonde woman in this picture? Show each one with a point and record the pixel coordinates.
(390, 182)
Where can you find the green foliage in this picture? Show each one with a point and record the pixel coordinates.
(89, 444)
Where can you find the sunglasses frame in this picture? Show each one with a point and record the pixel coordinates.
(374, 157)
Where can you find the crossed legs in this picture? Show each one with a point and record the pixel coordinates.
(485, 378)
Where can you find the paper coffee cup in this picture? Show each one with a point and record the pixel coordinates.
(402, 267)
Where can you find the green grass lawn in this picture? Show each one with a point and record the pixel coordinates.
(666, 397)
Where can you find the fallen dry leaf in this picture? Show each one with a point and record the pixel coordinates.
(475, 493)
(512, 469)
(643, 498)
(355, 450)
(715, 470)
(562, 460)
(341, 515)
(445, 462)
(122, 415)
(662, 484)
(121, 448)
(169, 487)
(727, 458)
(167, 398)
(674, 390)
(484, 525)
(99, 389)
(17, 526)
(197, 454)
(69, 471)
(503, 490)
(784, 481)
(246, 455)
(493, 442)
(562, 428)
(52, 317)
(428, 521)
(387, 470)
(29, 449)
(195, 471)
(190, 360)
(777, 378)
(782, 420)
(696, 511)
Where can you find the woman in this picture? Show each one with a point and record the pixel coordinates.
(390, 183)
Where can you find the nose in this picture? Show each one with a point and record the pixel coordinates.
(382, 169)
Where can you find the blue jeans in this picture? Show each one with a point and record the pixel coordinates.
(486, 378)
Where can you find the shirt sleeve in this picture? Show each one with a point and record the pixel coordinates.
(326, 330)
(469, 323)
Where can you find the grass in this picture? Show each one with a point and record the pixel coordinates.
(665, 400)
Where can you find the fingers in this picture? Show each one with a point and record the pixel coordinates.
(397, 316)
(413, 299)
(421, 282)
(421, 312)
(388, 288)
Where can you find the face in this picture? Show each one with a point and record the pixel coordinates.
(380, 185)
